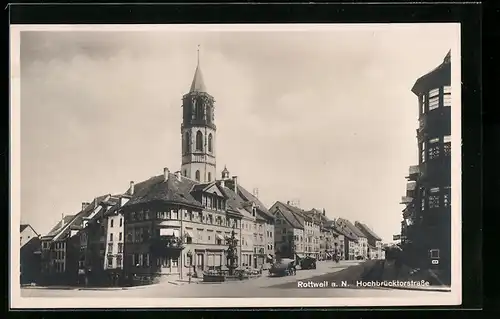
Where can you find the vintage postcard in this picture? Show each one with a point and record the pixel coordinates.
(235, 165)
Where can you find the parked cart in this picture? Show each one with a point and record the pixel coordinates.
(308, 263)
(284, 267)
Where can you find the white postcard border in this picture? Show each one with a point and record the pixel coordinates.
(16, 301)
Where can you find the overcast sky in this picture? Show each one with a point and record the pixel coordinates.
(327, 118)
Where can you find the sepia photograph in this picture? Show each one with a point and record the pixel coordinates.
(235, 165)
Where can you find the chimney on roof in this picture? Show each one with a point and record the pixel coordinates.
(132, 188)
(85, 205)
(288, 202)
(324, 212)
(166, 172)
(256, 192)
(62, 220)
(178, 175)
(95, 203)
(235, 181)
(222, 183)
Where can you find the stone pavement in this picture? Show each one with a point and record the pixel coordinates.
(376, 274)
(323, 267)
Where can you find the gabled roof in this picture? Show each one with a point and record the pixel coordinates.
(24, 226)
(355, 229)
(291, 214)
(318, 215)
(348, 229)
(58, 226)
(367, 231)
(234, 202)
(113, 205)
(173, 190)
(74, 221)
(247, 196)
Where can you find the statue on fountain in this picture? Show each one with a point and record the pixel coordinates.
(232, 252)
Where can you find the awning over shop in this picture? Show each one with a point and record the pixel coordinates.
(188, 234)
(300, 256)
(328, 255)
(270, 257)
(169, 232)
(219, 236)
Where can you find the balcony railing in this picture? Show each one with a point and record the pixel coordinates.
(413, 172)
(167, 243)
(414, 169)
(410, 186)
(406, 200)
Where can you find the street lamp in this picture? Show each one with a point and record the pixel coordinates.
(189, 254)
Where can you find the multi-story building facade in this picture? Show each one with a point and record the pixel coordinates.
(352, 239)
(175, 223)
(102, 243)
(374, 242)
(26, 234)
(60, 257)
(178, 223)
(324, 234)
(303, 233)
(427, 217)
(264, 227)
(248, 238)
(289, 231)
(29, 255)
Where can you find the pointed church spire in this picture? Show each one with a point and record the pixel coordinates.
(198, 85)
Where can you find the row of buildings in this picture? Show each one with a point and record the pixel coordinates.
(178, 223)
(312, 233)
(426, 226)
(170, 225)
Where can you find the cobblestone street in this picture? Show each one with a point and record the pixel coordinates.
(261, 287)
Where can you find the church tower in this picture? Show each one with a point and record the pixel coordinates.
(198, 131)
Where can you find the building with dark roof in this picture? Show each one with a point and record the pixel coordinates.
(176, 223)
(375, 250)
(303, 233)
(102, 243)
(356, 242)
(289, 230)
(60, 251)
(179, 223)
(29, 255)
(26, 234)
(426, 226)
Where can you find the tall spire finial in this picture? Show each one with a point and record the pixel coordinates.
(198, 85)
(198, 54)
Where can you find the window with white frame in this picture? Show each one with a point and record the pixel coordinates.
(446, 196)
(422, 154)
(422, 196)
(433, 201)
(434, 253)
(433, 148)
(447, 100)
(447, 145)
(433, 103)
(433, 92)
